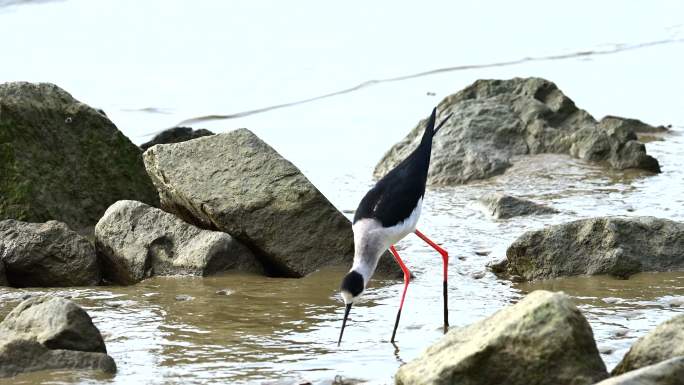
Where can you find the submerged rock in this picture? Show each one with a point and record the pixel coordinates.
(44, 333)
(25, 355)
(136, 241)
(237, 183)
(542, 340)
(495, 120)
(61, 159)
(608, 245)
(662, 343)
(176, 135)
(670, 372)
(46, 254)
(502, 206)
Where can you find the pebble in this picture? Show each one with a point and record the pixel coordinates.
(184, 297)
(676, 302)
(225, 292)
(478, 274)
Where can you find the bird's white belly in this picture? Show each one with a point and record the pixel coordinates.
(369, 232)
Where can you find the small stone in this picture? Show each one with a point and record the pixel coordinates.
(482, 253)
(225, 292)
(478, 274)
(184, 297)
(611, 300)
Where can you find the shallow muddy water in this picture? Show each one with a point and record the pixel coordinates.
(171, 62)
(252, 329)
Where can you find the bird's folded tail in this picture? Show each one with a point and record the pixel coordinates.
(430, 129)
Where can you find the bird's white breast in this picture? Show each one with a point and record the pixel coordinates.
(371, 239)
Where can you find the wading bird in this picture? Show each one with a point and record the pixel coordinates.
(386, 214)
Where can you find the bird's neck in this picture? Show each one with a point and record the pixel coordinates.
(366, 269)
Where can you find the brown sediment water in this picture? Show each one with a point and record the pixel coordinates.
(228, 58)
(253, 329)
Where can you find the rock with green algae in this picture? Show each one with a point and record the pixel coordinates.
(664, 342)
(61, 159)
(543, 339)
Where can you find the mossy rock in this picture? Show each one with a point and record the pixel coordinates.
(61, 159)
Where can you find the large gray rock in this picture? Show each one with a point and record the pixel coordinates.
(176, 135)
(495, 120)
(609, 245)
(56, 323)
(136, 241)
(61, 159)
(670, 372)
(44, 333)
(237, 183)
(26, 355)
(662, 343)
(46, 254)
(502, 206)
(543, 339)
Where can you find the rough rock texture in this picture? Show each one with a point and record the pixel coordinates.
(61, 159)
(22, 356)
(136, 241)
(502, 206)
(636, 125)
(236, 183)
(44, 333)
(608, 245)
(176, 135)
(56, 323)
(662, 343)
(46, 254)
(495, 120)
(543, 339)
(670, 372)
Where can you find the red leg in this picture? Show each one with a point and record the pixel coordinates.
(445, 259)
(407, 279)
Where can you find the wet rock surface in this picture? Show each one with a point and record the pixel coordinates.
(176, 135)
(670, 372)
(137, 241)
(662, 343)
(46, 254)
(495, 120)
(543, 339)
(44, 333)
(618, 246)
(237, 183)
(503, 206)
(61, 159)
(56, 323)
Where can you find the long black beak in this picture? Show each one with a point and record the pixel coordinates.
(344, 322)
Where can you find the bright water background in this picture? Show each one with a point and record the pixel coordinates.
(151, 64)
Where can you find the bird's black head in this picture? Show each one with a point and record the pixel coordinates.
(352, 286)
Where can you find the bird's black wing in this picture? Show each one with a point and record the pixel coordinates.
(396, 195)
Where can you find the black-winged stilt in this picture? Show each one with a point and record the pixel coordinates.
(386, 214)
